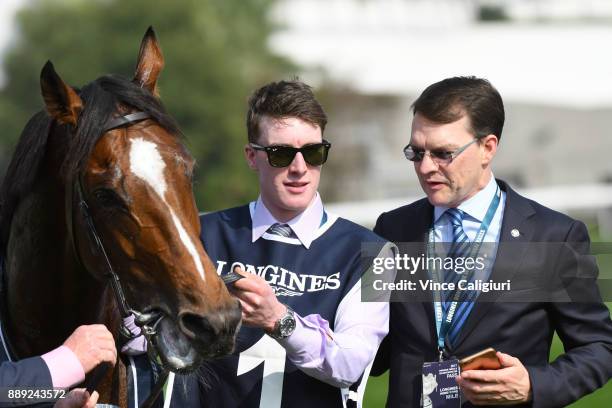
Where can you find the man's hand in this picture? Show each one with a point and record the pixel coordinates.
(78, 398)
(506, 386)
(92, 345)
(260, 307)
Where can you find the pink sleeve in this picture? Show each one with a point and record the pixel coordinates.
(66, 369)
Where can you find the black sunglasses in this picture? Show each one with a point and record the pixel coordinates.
(282, 156)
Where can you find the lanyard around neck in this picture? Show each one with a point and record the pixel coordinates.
(444, 320)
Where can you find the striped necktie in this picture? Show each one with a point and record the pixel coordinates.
(460, 248)
(282, 230)
(461, 243)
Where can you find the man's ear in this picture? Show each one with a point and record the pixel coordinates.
(489, 148)
(61, 101)
(249, 154)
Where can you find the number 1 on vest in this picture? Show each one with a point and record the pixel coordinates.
(272, 354)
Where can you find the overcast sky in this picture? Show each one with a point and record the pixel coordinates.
(399, 47)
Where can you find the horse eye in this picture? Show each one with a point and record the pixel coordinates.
(108, 198)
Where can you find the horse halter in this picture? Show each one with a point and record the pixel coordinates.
(146, 321)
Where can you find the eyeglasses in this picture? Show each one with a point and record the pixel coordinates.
(437, 156)
(282, 156)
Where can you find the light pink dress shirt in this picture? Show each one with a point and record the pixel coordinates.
(337, 357)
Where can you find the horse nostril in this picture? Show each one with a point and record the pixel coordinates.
(213, 333)
(197, 327)
(209, 327)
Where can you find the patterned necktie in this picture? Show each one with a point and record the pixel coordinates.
(282, 230)
(461, 243)
(460, 248)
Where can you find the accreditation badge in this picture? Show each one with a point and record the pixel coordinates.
(439, 386)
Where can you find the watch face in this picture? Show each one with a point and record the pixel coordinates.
(286, 326)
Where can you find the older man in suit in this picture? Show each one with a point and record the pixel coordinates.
(456, 131)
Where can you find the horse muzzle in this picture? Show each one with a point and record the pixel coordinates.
(181, 347)
(212, 334)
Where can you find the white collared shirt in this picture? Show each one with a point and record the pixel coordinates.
(305, 225)
(475, 209)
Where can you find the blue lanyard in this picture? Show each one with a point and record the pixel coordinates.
(444, 320)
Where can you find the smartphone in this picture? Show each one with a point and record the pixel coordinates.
(483, 360)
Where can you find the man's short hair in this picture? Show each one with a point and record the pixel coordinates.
(281, 100)
(448, 100)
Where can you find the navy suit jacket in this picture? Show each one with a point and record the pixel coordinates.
(29, 372)
(521, 329)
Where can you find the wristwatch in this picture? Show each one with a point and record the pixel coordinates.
(284, 326)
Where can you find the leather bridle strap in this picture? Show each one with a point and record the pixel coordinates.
(124, 309)
(146, 321)
(142, 319)
(126, 120)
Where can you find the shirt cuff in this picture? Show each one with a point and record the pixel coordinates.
(305, 343)
(65, 368)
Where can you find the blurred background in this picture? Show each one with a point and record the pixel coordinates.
(368, 60)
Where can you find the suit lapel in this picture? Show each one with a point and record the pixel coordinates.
(516, 217)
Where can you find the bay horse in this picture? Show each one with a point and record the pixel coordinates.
(97, 203)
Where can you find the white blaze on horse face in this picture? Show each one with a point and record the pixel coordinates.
(188, 243)
(148, 165)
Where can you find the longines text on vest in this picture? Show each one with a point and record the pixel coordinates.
(278, 276)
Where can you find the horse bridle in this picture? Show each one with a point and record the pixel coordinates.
(147, 322)
(143, 320)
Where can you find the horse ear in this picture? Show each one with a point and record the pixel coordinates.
(150, 62)
(62, 102)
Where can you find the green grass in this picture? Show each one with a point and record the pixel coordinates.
(376, 391)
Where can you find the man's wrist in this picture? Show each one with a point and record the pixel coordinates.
(284, 326)
(279, 311)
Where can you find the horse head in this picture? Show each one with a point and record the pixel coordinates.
(130, 210)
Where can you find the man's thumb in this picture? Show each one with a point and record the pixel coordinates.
(506, 360)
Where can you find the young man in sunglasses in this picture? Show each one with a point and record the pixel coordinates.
(456, 130)
(306, 337)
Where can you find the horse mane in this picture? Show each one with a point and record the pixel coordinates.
(102, 99)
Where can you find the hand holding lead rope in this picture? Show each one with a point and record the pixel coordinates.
(230, 278)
